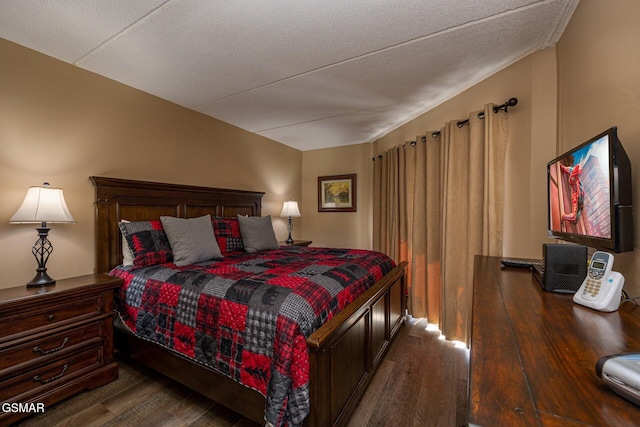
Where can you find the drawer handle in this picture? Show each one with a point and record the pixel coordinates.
(51, 317)
(37, 378)
(53, 350)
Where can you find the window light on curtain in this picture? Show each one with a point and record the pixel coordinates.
(437, 203)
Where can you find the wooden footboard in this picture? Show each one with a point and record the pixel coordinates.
(344, 352)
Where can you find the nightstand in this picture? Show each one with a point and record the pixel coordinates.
(296, 243)
(56, 341)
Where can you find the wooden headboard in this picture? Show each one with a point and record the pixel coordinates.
(118, 199)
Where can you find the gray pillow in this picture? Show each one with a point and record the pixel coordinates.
(257, 233)
(192, 240)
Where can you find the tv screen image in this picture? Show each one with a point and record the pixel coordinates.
(589, 195)
(579, 191)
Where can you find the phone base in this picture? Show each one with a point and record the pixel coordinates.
(609, 296)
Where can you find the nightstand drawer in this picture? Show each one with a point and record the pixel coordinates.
(50, 316)
(51, 375)
(33, 349)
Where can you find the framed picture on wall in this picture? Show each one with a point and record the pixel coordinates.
(337, 193)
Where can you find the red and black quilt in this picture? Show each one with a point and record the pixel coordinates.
(248, 315)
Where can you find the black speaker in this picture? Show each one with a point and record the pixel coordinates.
(564, 267)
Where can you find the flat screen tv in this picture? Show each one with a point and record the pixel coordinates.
(589, 195)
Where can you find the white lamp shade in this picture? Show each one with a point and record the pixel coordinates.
(42, 204)
(290, 209)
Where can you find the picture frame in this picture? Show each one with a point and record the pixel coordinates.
(337, 193)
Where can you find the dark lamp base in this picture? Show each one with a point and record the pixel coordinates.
(41, 250)
(41, 279)
(289, 241)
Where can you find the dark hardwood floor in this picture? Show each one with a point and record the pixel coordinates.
(422, 381)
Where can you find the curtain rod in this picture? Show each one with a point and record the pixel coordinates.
(510, 103)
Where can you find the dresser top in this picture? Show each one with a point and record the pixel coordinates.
(90, 283)
(534, 353)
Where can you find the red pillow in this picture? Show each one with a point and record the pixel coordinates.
(227, 232)
(148, 242)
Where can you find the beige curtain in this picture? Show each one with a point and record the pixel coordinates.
(437, 203)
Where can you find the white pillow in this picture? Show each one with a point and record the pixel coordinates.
(127, 254)
(192, 240)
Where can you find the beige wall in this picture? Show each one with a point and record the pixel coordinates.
(599, 87)
(338, 229)
(61, 124)
(531, 142)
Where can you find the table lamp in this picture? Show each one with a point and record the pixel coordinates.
(42, 204)
(290, 209)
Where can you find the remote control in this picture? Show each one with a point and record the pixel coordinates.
(510, 262)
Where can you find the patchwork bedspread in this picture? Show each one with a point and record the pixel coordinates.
(248, 315)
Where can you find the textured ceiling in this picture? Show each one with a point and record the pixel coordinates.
(309, 74)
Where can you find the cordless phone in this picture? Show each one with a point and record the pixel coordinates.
(602, 287)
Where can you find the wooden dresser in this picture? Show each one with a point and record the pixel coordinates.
(534, 353)
(55, 341)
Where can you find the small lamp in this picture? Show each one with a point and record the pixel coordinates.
(291, 210)
(41, 205)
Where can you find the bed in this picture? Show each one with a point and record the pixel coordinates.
(343, 353)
